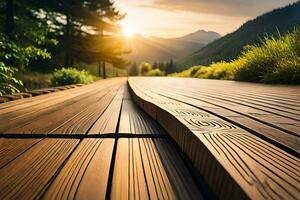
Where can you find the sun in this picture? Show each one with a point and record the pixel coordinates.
(128, 31)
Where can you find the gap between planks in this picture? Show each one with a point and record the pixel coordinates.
(80, 136)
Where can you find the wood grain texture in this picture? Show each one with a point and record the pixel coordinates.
(71, 111)
(133, 120)
(144, 172)
(12, 148)
(108, 121)
(26, 176)
(85, 175)
(283, 131)
(234, 162)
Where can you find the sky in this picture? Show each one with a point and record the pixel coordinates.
(175, 18)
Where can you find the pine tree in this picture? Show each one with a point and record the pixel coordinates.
(170, 67)
(155, 65)
(104, 45)
(133, 70)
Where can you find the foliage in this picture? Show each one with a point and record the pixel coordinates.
(19, 54)
(276, 60)
(145, 68)
(34, 80)
(187, 73)
(230, 46)
(220, 70)
(7, 80)
(68, 76)
(155, 72)
(21, 41)
(170, 67)
(88, 32)
(38, 35)
(133, 70)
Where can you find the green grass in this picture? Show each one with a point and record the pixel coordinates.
(188, 73)
(274, 61)
(33, 80)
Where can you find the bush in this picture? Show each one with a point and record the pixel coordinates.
(133, 70)
(67, 76)
(145, 68)
(191, 72)
(220, 70)
(8, 82)
(275, 61)
(155, 72)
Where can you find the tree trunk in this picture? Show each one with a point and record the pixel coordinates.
(9, 18)
(71, 60)
(104, 70)
(99, 68)
(67, 42)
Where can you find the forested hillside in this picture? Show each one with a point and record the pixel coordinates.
(276, 22)
(156, 49)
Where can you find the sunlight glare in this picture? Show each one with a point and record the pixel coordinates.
(128, 31)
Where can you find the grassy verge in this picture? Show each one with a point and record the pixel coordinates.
(275, 61)
(33, 80)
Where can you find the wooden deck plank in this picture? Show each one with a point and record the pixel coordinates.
(60, 114)
(133, 120)
(234, 162)
(12, 148)
(108, 121)
(29, 174)
(256, 121)
(85, 174)
(288, 124)
(144, 172)
(242, 119)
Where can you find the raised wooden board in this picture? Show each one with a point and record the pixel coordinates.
(280, 130)
(133, 120)
(235, 163)
(151, 169)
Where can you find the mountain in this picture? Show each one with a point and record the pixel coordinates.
(153, 49)
(230, 46)
(201, 35)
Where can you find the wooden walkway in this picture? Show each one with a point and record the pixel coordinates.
(242, 138)
(171, 139)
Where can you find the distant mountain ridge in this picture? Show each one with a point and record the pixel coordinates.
(163, 49)
(201, 35)
(230, 46)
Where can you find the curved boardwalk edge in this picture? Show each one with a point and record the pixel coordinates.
(235, 163)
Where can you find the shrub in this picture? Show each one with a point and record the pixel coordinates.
(67, 76)
(145, 68)
(191, 72)
(133, 70)
(275, 61)
(288, 71)
(220, 70)
(7, 81)
(155, 72)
